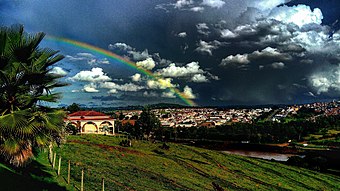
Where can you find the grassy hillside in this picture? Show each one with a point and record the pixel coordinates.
(145, 166)
(36, 176)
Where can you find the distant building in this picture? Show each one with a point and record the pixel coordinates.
(91, 122)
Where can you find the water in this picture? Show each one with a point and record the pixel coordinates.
(261, 154)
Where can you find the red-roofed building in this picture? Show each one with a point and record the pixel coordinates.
(91, 122)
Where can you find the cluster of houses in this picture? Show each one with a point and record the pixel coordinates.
(100, 123)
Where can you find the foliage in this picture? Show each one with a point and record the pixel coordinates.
(259, 132)
(71, 129)
(147, 122)
(25, 81)
(73, 108)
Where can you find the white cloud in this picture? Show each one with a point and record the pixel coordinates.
(198, 78)
(88, 57)
(104, 61)
(95, 75)
(136, 55)
(90, 88)
(324, 82)
(181, 3)
(278, 65)
(226, 33)
(85, 54)
(112, 91)
(120, 46)
(168, 95)
(136, 77)
(269, 52)
(207, 47)
(202, 28)
(213, 3)
(197, 9)
(235, 60)
(187, 93)
(299, 15)
(80, 57)
(59, 71)
(128, 87)
(148, 64)
(182, 34)
(160, 83)
(181, 71)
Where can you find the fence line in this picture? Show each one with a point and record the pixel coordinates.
(52, 156)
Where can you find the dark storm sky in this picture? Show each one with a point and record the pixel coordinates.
(216, 52)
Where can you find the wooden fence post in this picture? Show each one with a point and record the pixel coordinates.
(103, 186)
(54, 158)
(59, 165)
(50, 156)
(69, 172)
(82, 180)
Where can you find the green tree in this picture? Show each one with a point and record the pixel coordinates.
(73, 108)
(147, 122)
(25, 81)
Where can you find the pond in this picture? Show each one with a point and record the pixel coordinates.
(261, 154)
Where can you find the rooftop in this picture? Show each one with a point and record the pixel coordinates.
(86, 113)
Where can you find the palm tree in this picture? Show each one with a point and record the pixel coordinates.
(25, 82)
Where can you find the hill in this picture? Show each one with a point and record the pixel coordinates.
(145, 166)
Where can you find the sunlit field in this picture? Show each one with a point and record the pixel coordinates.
(145, 166)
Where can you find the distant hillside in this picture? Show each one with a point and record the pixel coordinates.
(146, 166)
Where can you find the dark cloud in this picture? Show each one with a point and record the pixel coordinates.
(247, 51)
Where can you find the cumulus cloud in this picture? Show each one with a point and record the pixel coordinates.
(278, 65)
(182, 34)
(240, 60)
(128, 87)
(213, 3)
(199, 78)
(326, 81)
(136, 77)
(187, 93)
(148, 64)
(130, 51)
(269, 52)
(90, 88)
(197, 9)
(168, 94)
(121, 46)
(299, 15)
(207, 47)
(95, 75)
(181, 71)
(226, 33)
(181, 3)
(160, 83)
(203, 28)
(236, 60)
(59, 71)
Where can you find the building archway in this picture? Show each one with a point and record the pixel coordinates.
(90, 127)
(106, 127)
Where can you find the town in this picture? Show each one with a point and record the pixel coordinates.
(210, 117)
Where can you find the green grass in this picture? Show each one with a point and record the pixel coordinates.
(147, 167)
(36, 176)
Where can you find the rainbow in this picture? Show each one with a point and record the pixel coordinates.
(121, 60)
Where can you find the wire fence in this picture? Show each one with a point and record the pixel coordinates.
(58, 164)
